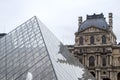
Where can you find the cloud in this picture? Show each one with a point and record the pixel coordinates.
(60, 16)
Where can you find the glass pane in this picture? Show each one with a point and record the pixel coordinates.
(66, 66)
(33, 52)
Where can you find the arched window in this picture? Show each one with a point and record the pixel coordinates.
(92, 40)
(118, 76)
(81, 40)
(103, 39)
(91, 61)
(104, 61)
(93, 73)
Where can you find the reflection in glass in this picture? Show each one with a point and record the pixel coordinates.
(34, 53)
(29, 76)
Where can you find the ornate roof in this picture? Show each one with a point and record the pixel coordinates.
(94, 20)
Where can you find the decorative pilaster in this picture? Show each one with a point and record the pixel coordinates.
(96, 75)
(97, 60)
(110, 59)
(107, 60)
(99, 75)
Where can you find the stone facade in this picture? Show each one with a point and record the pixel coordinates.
(96, 48)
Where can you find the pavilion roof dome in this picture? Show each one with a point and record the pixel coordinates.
(94, 20)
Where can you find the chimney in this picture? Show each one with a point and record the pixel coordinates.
(79, 21)
(110, 19)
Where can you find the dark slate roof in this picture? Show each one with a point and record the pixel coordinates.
(94, 20)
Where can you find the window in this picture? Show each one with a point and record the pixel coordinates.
(104, 61)
(80, 51)
(103, 39)
(80, 60)
(91, 61)
(92, 40)
(81, 40)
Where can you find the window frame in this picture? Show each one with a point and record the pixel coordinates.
(91, 61)
(92, 40)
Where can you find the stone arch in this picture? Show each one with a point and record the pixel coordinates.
(91, 61)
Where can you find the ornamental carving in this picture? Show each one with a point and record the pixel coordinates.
(86, 38)
(76, 39)
(97, 38)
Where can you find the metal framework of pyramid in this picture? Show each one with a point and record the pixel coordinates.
(32, 52)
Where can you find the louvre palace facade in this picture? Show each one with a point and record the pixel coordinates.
(96, 48)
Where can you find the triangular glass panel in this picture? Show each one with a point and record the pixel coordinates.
(32, 52)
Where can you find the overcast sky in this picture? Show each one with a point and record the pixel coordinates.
(60, 16)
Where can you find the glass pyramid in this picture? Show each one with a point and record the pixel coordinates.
(32, 52)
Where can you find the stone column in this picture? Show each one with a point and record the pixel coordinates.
(99, 75)
(107, 63)
(110, 59)
(110, 74)
(84, 59)
(96, 75)
(96, 60)
(99, 60)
